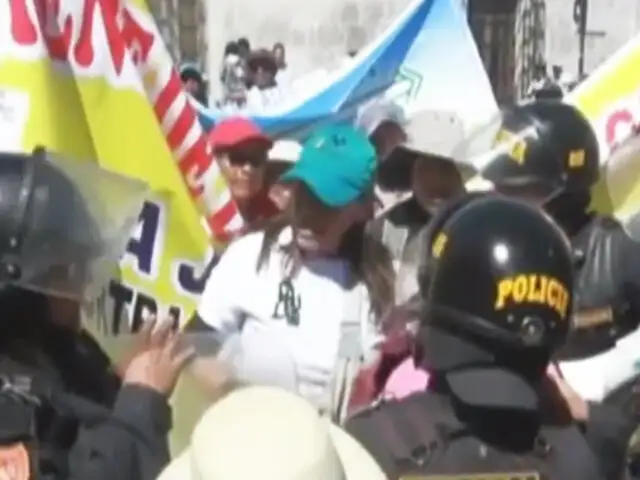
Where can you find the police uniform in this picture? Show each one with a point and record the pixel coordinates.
(548, 150)
(63, 412)
(498, 286)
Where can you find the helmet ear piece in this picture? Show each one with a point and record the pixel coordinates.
(434, 227)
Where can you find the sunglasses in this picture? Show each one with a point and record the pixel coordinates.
(240, 159)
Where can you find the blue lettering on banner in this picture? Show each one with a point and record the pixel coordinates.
(125, 311)
(192, 282)
(190, 278)
(145, 245)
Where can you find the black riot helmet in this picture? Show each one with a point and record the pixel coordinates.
(545, 150)
(63, 223)
(497, 290)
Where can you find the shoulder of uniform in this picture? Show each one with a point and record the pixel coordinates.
(385, 406)
(607, 223)
(601, 228)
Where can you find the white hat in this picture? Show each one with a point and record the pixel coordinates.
(434, 132)
(373, 114)
(285, 151)
(271, 434)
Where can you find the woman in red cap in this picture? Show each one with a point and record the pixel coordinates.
(241, 149)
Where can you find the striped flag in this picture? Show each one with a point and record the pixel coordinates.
(187, 139)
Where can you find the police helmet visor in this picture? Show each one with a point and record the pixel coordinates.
(515, 153)
(76, 221)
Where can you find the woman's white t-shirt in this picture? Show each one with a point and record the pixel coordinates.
(279, 333)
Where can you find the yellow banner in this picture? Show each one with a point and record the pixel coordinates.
(75, 87)
(610, 98)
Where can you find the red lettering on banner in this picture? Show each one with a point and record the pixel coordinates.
(614, 120)
(23, 30)
(138, 40)
(26, 31)
(83, 50)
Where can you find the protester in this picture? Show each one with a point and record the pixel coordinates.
(279, 53)
(267, 433)
(244, 47)
(383, 121)
(282, 156)
(263, 71)
(193, 82)
(65, 413)
(544, 86)
(233, 76)
(263, 67)
(318, 285)
(241, 149)
(423, 165)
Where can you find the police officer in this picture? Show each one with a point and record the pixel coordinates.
(498, 299)
(551, 158)
(547, 153)
(64, 412)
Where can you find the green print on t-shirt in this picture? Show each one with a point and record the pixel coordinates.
(288, 303)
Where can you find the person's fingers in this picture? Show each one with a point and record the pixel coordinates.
(175, 343)
(177, 347)
(162, 333)
(143, 337)
(183, 356)
(553, 372)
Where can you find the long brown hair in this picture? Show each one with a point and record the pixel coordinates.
(369, 259)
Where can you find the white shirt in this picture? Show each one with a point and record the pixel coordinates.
(260, 343)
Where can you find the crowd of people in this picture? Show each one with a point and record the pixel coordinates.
(554, 84)
(372, 319)
(246, 74)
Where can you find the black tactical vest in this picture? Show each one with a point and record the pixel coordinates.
(603, 312)
(421, 438)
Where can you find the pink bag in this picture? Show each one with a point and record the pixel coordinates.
(405, 380)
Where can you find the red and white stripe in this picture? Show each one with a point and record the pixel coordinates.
(189, 143)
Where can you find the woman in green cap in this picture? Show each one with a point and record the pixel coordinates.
(295, 304)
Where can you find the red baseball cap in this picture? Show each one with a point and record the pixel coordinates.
(235, 130)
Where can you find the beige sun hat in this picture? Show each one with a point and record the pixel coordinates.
(271, 434)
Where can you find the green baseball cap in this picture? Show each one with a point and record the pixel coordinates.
(337, 163)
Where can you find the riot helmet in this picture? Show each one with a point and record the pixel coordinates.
(64, 224)
(543, 151)
(498, 291)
